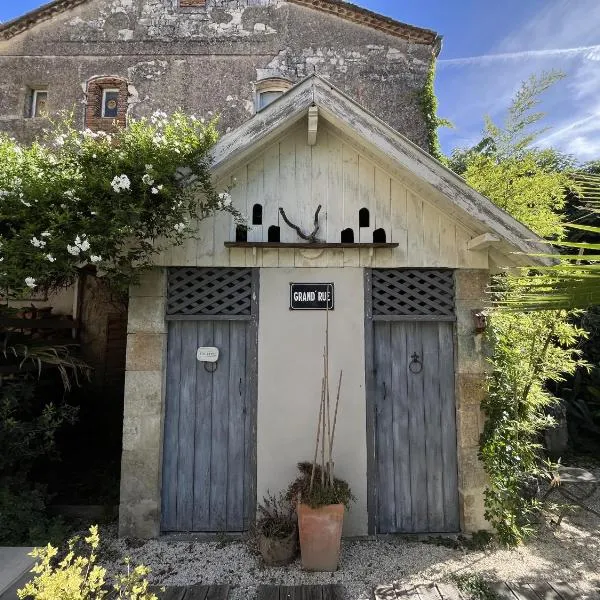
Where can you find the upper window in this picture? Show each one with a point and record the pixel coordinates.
(268, 90)
(38, 103)
(110, 103)
(106, 103)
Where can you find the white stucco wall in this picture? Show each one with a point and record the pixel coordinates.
(290, 368)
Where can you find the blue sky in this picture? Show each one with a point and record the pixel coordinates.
(489, 49)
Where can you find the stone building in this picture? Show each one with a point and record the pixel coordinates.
(320, 106)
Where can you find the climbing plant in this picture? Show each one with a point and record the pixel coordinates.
(78, 198)
(429, 107)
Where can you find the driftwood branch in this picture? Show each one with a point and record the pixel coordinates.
(312, 237)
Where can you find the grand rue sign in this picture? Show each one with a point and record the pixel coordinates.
(311, 296)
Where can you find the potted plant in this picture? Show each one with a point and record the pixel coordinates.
(276, 530)
(321, 497)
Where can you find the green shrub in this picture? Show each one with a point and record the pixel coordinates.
(320, 495)
(80, 578)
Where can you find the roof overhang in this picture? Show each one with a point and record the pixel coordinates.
(507, 235)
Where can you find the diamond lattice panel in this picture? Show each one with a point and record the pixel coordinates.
(411, 292)
(205, 291)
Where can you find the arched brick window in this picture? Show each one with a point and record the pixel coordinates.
(106, 103)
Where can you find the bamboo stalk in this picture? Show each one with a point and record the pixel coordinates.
(337, 403)
(328, 474)
(314, 466)
(323, 424)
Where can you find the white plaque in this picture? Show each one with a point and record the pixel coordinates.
(208, 354)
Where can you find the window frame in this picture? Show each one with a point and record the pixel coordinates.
(271, 85)
(103, 102)
(34, 103)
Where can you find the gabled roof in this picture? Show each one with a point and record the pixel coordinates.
(397, 152)
(350, 12)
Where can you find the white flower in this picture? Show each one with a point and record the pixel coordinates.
(147, 179)
(30, 282)
(74, 250)
(82, 243)
(95, 259)
(1, 258)
(120, 182)
(4, 193)
(149, 167)
(93, 213)
(154, 190)
(37, 243)
(60, 141)
(50, 257)
(45, 234)
(94, 156)
(179, 227)
(28, 204)
(225, 198)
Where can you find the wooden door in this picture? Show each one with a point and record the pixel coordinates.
(414, 471)
(209, 473)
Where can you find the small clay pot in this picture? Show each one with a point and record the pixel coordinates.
(320, 536)
(277, 552)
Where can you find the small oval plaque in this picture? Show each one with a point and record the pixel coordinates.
(208, 354)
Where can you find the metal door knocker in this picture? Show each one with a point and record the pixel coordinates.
(415, 366)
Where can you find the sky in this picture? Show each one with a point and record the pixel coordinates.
(489, 48)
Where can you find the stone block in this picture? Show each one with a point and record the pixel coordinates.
(471, 472)
(139, 519)
(470, 354)
(146, 315)
(468, 427)
(146, 351)
(143, 392)
(473, 511)
(470, 389)
(142, 432)
(471, 285)
(153, 283)
(140, 475)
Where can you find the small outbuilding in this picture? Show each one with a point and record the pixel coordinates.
(226, 334)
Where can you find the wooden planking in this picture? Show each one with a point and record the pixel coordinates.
(217, 592)
(203, 429)
(522, 592)
(335, 190)
(400, 427)
(332, 592)
(567, 592)
(399, 216)
(384, 421)
(220, 430)
(448, 591)
(174, 592)
(545, 591)
(171, 431)
(186, 431)
(414, 217)
(290, 592)
(351, 190)
(432, 366)
(287, 182)
(418, 464)
(304, 214)
(428, 592)
(449, 459)
(236, 419)
(198, 592)
(271, 201)
(366, 198)
(255, 195)
(268, 592)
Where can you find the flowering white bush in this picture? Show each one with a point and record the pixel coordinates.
(78, 198)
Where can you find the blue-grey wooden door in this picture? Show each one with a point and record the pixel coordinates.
(415, 427)
(209, 448)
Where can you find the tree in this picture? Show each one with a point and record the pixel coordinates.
(107, 200)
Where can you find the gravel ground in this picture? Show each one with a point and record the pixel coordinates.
(570, 553)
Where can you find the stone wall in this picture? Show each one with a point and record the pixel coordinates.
(470, 391)
(205, 60)
(139, 513)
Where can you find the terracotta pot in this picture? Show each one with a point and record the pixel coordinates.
(277, 552)
(320, 536)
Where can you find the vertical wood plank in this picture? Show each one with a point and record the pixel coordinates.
(351, 193)
(418, 467)
(171, 434)
(431, 236)
(365, 199)
(220, 431)
(414, 218)
(449, 462)
(335, 190)
(371, 405)
(287, 183)
(433, 424)
(385, 439)
(383, 215)
(187, 421)
(222, 228)
(448, 256)
(237, 256)
(319, 177)
(237, 418)
(203, 428)
(255, 195)
(251, 407)
(401, 410)
(302, 188)
(399, 225)
(271, 202)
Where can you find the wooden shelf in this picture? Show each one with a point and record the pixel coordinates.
(306, 245)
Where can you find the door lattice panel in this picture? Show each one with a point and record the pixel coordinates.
(210, 292)
(413, 293)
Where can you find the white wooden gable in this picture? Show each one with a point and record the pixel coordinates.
(347, 161)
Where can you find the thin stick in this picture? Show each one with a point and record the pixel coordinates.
(327, 391)
(337, 403)
(323, 408)
(314, 466)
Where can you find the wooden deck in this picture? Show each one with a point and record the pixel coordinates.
(300, 592)
(504, 591)
(192, 592)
